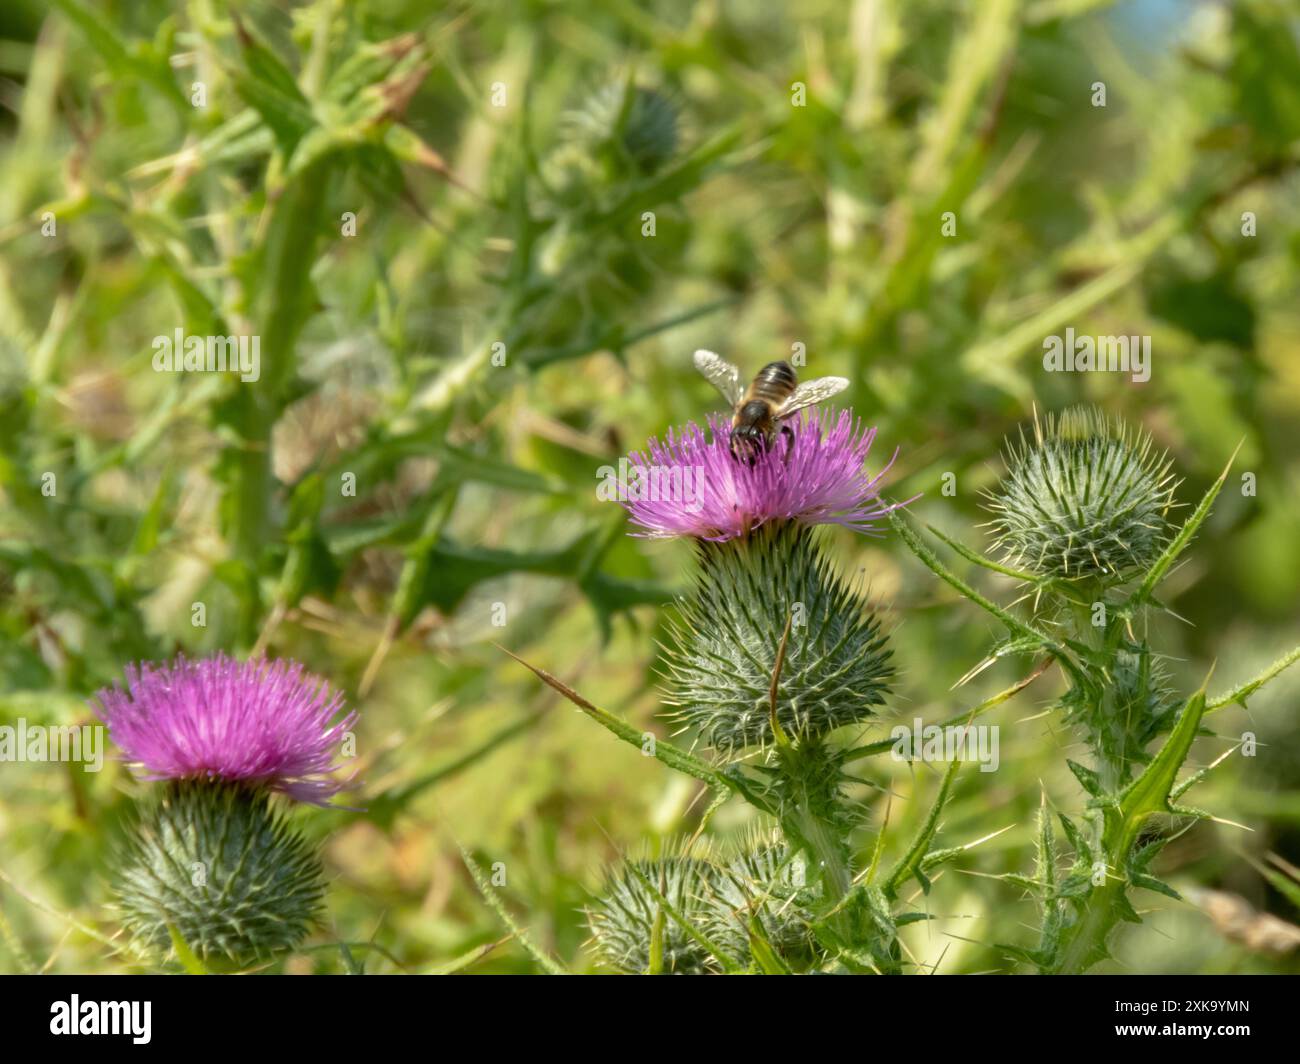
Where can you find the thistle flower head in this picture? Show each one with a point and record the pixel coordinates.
(213, 863)
(260, 723)
(692, 484)
(1087, 499)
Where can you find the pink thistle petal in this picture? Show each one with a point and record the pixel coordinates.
(691, 484)
(268, 723)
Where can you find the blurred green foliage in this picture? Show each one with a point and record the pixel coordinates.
(435, 219)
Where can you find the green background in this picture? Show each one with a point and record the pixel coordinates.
(476, 225)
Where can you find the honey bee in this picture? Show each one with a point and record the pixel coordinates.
(759, 411)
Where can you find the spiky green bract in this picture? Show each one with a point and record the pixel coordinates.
(1088, 498)
(216, 864)
(722, 649)
(623, 919)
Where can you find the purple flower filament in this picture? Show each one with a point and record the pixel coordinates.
(813, 475)
(264, 723)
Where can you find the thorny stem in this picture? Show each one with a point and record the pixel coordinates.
(808, 822)
(1087, 938)
(1089, 934)
(837, 877)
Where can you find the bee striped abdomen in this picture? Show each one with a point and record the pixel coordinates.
(774, 383)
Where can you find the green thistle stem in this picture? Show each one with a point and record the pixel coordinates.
(827, 849)
(1086, 940)
(818, 826)
(1083, 944)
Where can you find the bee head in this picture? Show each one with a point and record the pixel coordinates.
(747, 441)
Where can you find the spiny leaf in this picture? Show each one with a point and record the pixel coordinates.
(1240, 694)
(663, 751)
(1184, 536)
(910, 863)
(1088, 779)
(468, 958)
(1151, 883)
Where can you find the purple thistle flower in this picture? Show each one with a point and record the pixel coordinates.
(692, 485)
(265, 723)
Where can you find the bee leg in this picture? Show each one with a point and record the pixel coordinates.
(787, 433)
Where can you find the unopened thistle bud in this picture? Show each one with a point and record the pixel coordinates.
(1136, 705)
(1087, 499)
(760, 892)
(624, 917)
(763, 890)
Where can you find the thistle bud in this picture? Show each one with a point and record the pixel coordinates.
(1088, 499)
(624, 916)
(763, 890)
(759, 892)
(1135, 706)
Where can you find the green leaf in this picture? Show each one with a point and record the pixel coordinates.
(1082, 851)
(1151, 883)
(1020, 628)
(467, 959)
(269, 87)
(1088, 779)
(911, 862)
(664, 751)
(1239, 694)
(767, 959)
(106, 40)
(349, 961)
(388, 805)
(1149, 793)
(1178, 544)
(656, 966)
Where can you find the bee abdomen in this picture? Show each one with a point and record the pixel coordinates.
(774, 383)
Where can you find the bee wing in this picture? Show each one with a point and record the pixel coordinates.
(721, 374)
(810, 392)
